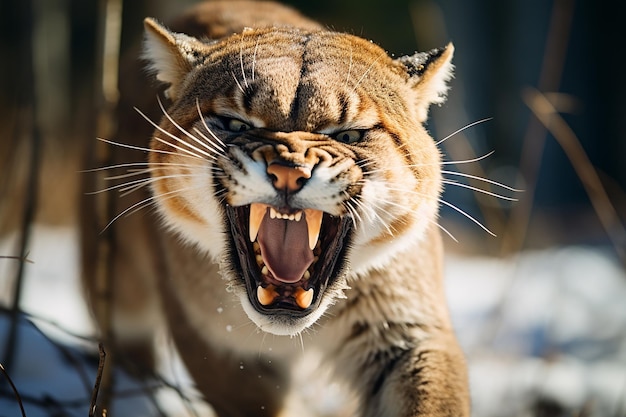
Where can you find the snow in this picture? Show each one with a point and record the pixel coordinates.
(541, 328)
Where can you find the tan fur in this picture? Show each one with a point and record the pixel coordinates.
(346, 119)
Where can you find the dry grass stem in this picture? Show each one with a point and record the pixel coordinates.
(545, 112)
(17, 394)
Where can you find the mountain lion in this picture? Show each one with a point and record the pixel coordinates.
(296, 193)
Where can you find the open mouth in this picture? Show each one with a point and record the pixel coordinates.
(287, 257)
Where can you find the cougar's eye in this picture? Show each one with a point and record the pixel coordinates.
(235, 125)
(349, 136)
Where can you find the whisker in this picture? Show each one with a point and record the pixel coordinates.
(355, 214)
(468, 161)
(221, 145)
(153, 202)
(189, 135)
(131, 189)
(462, 129)
(122, 186)
(139, 148)
(479, 190)
(176, 138)
(443, 229)
(129, 174)
(118, 186)
(211, 145)
(474, 177)
(378, 206)
(459, 162)
(134, 172)
(144, 203)
(187, 151)
(237, 81)
(256, 47)
(367, 71)
(137, 164)
(243, 73)
(452, 206)
(479, 224)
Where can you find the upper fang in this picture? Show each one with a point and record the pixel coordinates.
(257, 212)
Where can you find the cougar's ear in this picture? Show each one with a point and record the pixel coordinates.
(170, 56)
(429, 73)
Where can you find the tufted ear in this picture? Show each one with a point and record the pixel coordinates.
(429, 72)
(171, 56)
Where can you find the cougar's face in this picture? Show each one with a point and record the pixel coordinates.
(291, 168)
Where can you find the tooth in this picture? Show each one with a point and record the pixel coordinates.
(266, 295)
(265, 271)
(314, 223)
(259, 260)
(304, 298)
(298, 216)
(306, 275)
(273, 213)
(257, 212)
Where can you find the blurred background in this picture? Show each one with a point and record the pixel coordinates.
(539, 78)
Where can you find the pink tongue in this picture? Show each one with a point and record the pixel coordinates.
(285, 248)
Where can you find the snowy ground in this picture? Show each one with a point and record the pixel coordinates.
(544, 332)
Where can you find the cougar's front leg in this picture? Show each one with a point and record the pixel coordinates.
(428, 380)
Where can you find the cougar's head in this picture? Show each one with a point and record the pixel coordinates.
(295, 158)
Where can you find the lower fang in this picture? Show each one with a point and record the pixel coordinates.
(266, 295)
(304, 298)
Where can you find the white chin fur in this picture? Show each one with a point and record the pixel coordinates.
(277, 325)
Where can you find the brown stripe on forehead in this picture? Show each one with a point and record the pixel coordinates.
(344, 107)
(305, 61)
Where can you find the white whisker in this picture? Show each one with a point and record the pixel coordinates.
(144, 203)
(122, 187)
(468, 161)
(147, 203)
(256, 47)
(474, 177)
(443, 229)
(367, 71)
(478, 190)
(189, 135)
(452, 206)
(118, 186)
(139, 148)
(237, 82)
(243, 73)
(378, 206)
(137, 164)
(131, 173)
(353, 211)
(479, 224)
(462, 129)
(221, 144)
(180, 148)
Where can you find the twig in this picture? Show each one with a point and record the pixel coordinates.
(96, 387)
(109, 46)
(566, 138)
(17, 394)
(32, 132)
(535, 136)
(18, 258)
